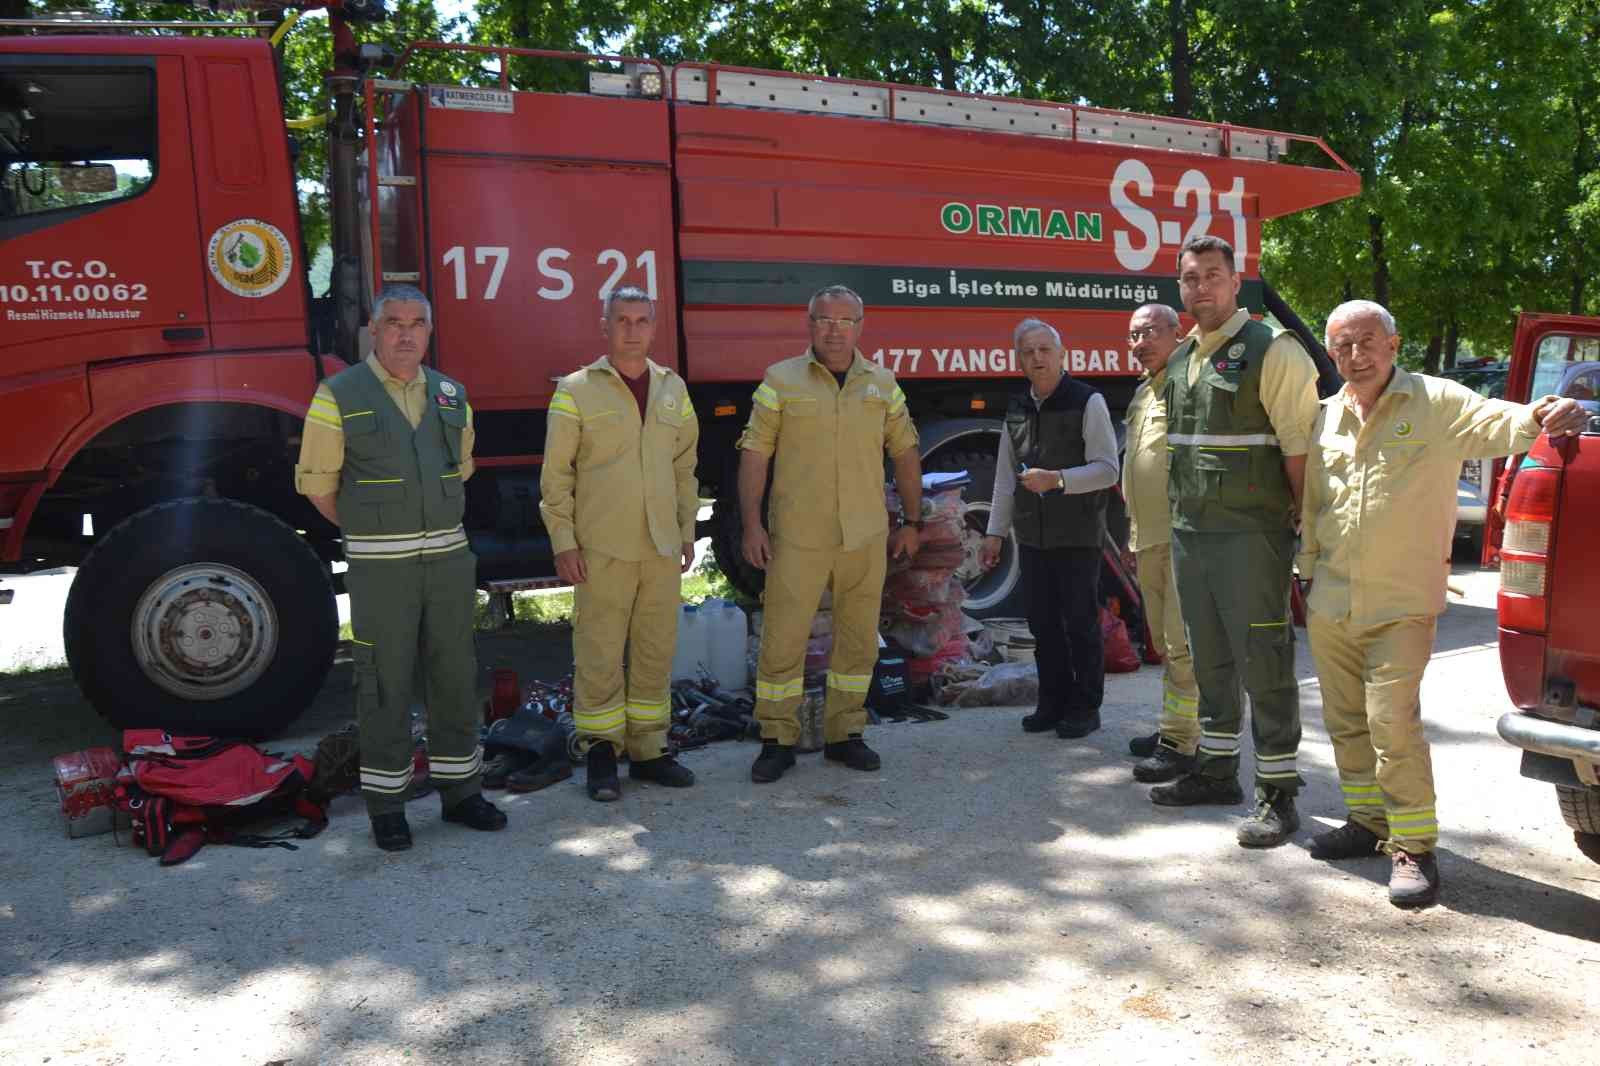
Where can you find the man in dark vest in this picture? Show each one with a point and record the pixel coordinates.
(1060, 450)
(386, 447)
(1240, 403)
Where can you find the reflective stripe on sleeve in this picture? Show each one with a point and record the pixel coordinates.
(767, 397)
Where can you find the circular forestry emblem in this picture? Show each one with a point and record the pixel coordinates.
(1402, 428)
(249, 257)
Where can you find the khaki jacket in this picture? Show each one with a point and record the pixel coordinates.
(1144, 469)
(829, 444)
(1380, 499)
(615, 483)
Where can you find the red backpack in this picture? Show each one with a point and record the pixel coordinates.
(184, 793)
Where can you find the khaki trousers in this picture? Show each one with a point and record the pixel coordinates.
(1371, 677)
(1180, 702)
(627, 607)
(796, 578)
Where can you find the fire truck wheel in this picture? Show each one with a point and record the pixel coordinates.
(203, 616)
(995, 593)
(1580, 807)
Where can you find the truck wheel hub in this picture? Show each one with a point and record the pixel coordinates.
(204, 631)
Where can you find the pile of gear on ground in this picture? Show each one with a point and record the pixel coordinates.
(175, 794)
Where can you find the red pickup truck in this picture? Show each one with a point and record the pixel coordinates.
(1549, 584)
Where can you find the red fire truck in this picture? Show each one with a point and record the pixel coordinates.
(1549, 586)
(160, 340)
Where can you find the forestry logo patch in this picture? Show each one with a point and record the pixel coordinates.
(249, 257)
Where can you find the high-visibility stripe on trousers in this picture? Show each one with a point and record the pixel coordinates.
(625, 613)
(411, 617)
(1180, 698)
(796, 579)
(1234, 592)
(1371, 681)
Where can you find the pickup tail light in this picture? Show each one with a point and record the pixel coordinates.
(1525, 549)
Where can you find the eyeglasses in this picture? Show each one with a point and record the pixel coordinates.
(1137, 335)
(834, 323)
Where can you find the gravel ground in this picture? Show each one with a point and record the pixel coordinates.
(987, 897)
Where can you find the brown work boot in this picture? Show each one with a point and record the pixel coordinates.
(1413, 879)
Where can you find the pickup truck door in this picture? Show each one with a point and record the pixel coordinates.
(1542, 362)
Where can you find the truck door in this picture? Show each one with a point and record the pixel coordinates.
(1552, 355)
(98, 233)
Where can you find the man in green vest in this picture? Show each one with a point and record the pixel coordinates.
(1057, 459)
(1241, 400)
(386, 447)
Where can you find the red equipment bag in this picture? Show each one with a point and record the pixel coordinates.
(183, 792)
(1120, 656)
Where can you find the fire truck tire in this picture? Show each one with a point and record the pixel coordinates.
(1580, 808)
(994, 593)
(727, 545)
(203, 616)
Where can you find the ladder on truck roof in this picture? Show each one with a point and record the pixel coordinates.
(374, 89)
(718, 85)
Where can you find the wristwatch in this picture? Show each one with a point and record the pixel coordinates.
(917, 525)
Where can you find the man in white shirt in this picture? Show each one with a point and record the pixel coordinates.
(1060, 449)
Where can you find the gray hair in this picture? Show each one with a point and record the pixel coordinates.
(626, 294)
(1352, 308)
(1028, 325)
(1166, 314)
(402, 294)
(837, 292)
(1204, 245)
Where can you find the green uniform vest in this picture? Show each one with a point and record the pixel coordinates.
(1227, 473)
(400, 491)
(1050, 436)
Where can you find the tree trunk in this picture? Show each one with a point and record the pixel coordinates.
(1579, 282)
(1380, 259)
(1430, 358)
(1182, 63)
(1452, 342)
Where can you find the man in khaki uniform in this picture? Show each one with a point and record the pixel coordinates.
(826, 417)
(1152, 336)
(386, 448)
(618, 496)
(1240, 402)
(1379, 514)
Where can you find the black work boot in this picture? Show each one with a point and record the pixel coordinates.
(1193, 789)
(1144, 747)
(1413, 879)
(853, 752)
(1273, 822)
(1164, 764)
(774, 759)
(1078, 725)
(1040, 721)
(600, 773)
(1351, 840)
(391, 832)
(663, 770)
(475, 812)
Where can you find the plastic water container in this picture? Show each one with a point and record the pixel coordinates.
(727, 636)
(692, 653)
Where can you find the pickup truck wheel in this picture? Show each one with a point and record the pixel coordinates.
(1580, 808)
(995, 593)
(203, 616)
